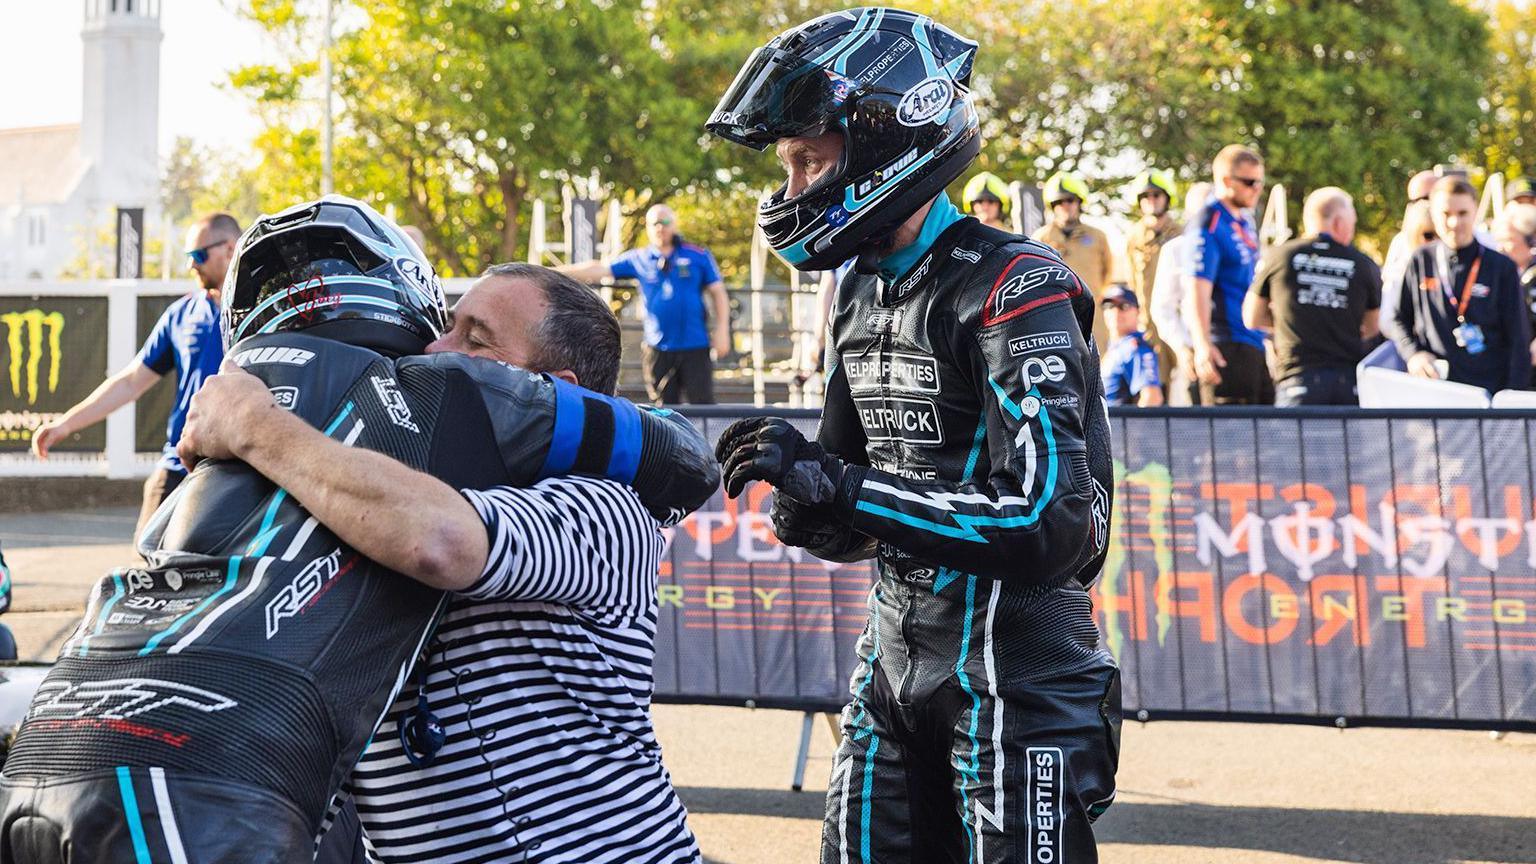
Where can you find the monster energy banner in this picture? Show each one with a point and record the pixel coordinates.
(53, 353)
(1336, 566)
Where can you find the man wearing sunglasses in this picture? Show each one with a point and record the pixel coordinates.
(185, 339)
(1229, 357)
(674, 278)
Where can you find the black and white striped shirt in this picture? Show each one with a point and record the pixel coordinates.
(542, 676)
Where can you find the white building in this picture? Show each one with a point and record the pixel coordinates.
(62, 184)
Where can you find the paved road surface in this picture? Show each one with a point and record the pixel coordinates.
(1190, 793)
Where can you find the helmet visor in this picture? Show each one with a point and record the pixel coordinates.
(779, 95)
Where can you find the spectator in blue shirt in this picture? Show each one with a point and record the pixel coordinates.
(1229, 357)
(680, 344)
(185, 339)
(1130, 368)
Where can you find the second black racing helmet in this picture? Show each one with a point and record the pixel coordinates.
(336, 267)
(895, 85)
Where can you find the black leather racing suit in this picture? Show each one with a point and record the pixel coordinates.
(210, 705)
(985, 717)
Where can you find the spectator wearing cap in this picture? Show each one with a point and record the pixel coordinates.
(1083, 247)
(1155, 195)
(1515, 234)
(1229, 357)
(1172, 306)
(986, 197)
(1320, 295)
(1520, 191)
(1460, 302)
(1130, 368)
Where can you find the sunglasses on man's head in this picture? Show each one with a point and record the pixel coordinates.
(200, 256)
(661, 221)
(1250, 182)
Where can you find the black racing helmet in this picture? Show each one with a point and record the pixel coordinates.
(338, 269)
(896, 85)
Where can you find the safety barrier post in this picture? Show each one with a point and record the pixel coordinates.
(122, 327)
(759, 278)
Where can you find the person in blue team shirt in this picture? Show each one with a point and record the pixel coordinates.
(1130, 369)
(185, 339)
(1229, 357)
(680, 344)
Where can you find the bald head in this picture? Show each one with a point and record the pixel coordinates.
(1420, 185)
(661, 226)
(1330, 211)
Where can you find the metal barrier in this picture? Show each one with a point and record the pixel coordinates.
(1316, 565)
(1335, 566)
(58, 340)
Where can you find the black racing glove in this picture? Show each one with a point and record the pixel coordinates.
(773, 451)
(807, 526)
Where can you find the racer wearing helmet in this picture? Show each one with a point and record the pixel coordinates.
(1155, 195)
(1083, 247)
(245, 666)
(986, 197)
(964, 445)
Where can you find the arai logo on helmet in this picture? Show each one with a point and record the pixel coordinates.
(837, 216)
(925, 102)
(421, 277)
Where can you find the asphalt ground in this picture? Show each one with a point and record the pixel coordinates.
(1190, 793)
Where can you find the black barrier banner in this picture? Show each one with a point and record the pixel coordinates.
(152, 409)
(53, 353)
(1341, 567)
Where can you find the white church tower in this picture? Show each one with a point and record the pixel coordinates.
(60, 185)
(120, 117)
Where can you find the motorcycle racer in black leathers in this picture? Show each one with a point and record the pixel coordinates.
(211, 703)
(964, 445)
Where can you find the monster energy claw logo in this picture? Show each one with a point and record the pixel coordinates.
(31, 324)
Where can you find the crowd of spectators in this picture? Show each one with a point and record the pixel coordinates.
(1194, 311)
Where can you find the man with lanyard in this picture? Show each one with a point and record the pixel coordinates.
(1320, 295)
(679, 350)
(1130, 370)
(1460, 302)
(185, 339)
(964, 445)
(1155, 196)
(1229, 357)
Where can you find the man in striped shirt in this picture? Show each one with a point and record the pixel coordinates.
(541, 673)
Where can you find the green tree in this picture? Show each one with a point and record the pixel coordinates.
(1505, 140)
(1353, 93)
(462, 114)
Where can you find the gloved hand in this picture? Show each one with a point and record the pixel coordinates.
(807, 526)
(772, 450)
